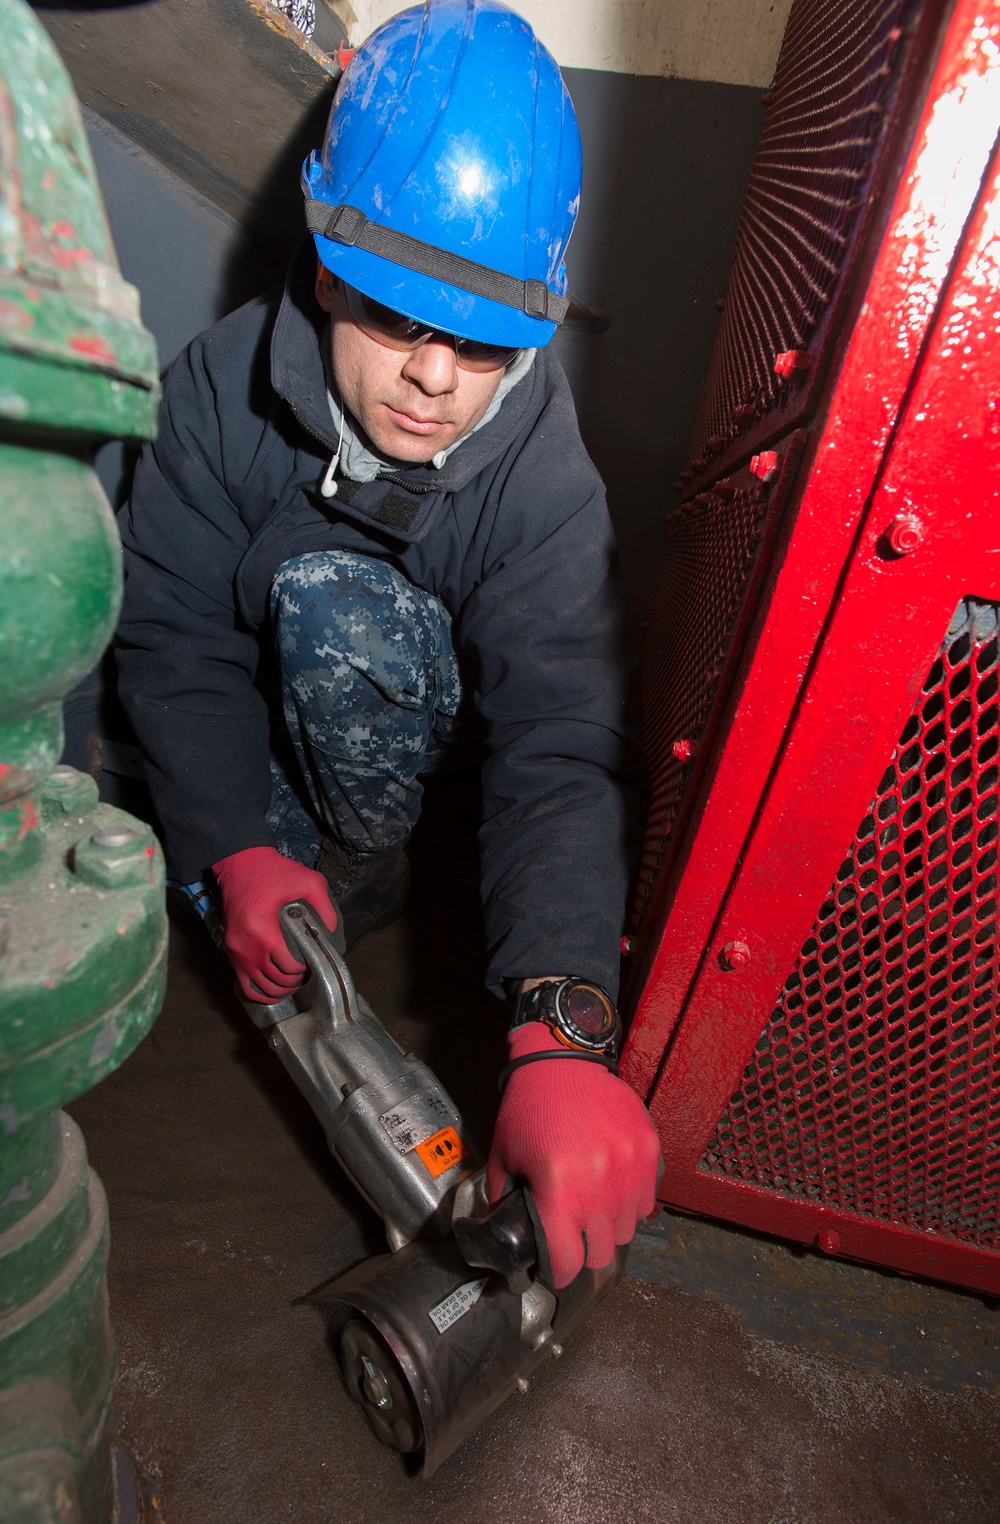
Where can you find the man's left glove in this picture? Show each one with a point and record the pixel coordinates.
(254, 884)
(584, 1144)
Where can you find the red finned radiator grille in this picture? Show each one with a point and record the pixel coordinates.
(875, 1085)
(710, 551)
(825, 118)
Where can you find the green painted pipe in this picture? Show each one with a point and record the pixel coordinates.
(82, 923)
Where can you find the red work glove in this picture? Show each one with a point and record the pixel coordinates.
(584, 1144)
(254, 884)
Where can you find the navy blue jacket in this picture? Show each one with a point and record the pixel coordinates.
(512, 534)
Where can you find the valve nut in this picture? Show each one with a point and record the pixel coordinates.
(627, 946)
(66, 792)
(115, 857)
(735, 955)
(683, 750)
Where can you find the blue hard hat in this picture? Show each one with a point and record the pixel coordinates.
(449, 179)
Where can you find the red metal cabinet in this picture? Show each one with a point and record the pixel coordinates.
(814, 975)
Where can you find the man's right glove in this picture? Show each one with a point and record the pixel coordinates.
(254, 884)
(586, 1147)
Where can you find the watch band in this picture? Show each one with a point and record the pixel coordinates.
(545, 1003)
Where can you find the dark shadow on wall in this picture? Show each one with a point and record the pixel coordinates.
(666, 165)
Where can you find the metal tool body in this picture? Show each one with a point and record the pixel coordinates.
(455, 1319)
(388, 1120)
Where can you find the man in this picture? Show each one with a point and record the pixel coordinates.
(378, 475)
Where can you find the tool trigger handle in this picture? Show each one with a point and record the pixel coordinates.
(500, 1239)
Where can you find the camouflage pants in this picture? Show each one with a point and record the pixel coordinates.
(370, 692)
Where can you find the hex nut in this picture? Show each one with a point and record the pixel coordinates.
(735, 955)
(68, 793)
(904, 534)
(115, 857)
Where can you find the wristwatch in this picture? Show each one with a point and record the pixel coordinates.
(578, 1013)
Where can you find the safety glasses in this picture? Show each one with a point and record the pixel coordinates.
(396, 331)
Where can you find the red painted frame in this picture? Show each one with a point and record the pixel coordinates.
(838, 652)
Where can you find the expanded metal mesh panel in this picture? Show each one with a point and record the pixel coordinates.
(875, 1085)
(710, 552)
(825, 115)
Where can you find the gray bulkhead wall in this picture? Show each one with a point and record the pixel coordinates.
(666, 163)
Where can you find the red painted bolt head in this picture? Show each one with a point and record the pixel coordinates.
(683, 750)
(765, 465)
(905, 534)
(344, 55)
(828, 1240)
(789, 361)
(736, 955)
(627, 946)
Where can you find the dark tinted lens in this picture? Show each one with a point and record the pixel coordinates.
(475, 356)
(401, 332)
(384, 323)
(589, 1011)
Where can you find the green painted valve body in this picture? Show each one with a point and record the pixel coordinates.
(82, 923)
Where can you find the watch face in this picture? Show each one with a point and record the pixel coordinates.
(588, 1009)
(586, 1016)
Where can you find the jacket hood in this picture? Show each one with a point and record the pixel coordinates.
(299, 376)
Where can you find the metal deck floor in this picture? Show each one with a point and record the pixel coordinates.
(775, 1389)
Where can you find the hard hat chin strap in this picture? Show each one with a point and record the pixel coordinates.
(346, 225)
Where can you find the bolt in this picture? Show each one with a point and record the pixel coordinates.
(375, 1386)
(111, 840)
(828, 1240)
(714, 444)
(736, 955)
(555, 1350)
(725, 490)
(683, 750)
(789, 361)
(627, 946)
(744, 414)
(349, 1088)
(765, 466)
(522, 1383)
(904, 534)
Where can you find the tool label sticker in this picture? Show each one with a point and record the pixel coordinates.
(414, 1120)
(441, 1151)
(457, 1304)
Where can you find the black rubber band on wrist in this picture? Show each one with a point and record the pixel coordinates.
(533, 1058)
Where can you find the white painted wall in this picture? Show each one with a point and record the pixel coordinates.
(733, 41)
